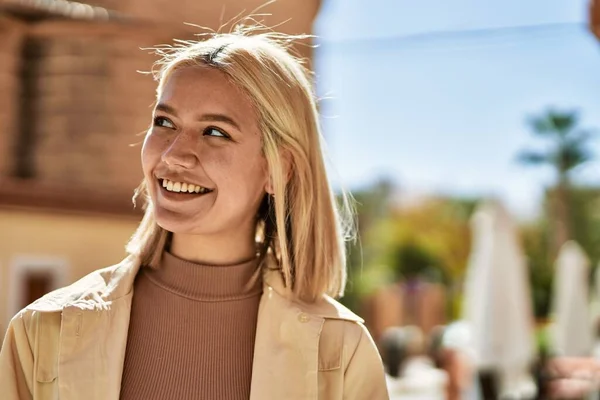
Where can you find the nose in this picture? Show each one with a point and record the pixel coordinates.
(180, 153)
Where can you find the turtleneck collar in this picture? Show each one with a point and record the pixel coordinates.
(207, 282)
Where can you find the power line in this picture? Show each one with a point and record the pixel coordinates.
(492, 32)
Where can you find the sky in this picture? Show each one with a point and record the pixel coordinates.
(435, 95)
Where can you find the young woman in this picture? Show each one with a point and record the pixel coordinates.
(227, 292)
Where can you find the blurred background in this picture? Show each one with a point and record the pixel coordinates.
(467, 132)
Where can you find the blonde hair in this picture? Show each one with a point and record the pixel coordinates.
(302, 223)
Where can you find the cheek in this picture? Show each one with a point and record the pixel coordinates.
(254, 178)
(151, 152)
(241, 175)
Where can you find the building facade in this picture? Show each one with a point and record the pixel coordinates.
(73, 110)
(595, 17)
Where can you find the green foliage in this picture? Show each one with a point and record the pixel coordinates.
(569, 144)
(410, 260)
(542, 340)
(585, 221)
(372, 206)
(430, 239)
(554, 123)
(569, 212)
(585, 217)
(536, 244)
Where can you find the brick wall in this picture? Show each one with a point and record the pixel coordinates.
(75, 103)
(12, 34)
(293, 15)
(90, 103)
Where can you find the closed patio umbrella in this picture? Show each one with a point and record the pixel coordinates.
(572, 327)
(498, 303)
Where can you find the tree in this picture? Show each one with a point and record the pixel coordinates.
(372, 205)
(568, 150)
(430, 238)
(437, 226)
(585, 201)
(413, 261)
(432, 235)
(539, 262)
(585, 217)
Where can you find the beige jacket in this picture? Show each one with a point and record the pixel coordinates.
(70, 345)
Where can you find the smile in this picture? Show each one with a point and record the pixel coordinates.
(183, 187)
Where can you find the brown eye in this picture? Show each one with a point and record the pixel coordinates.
(163, 122)
(215, 132)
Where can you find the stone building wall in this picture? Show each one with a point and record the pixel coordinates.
(76, 106)
(12, 33)
(72, 105)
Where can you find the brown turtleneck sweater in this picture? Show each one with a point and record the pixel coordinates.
(191, 333)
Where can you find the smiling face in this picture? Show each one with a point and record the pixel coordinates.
(205, 146)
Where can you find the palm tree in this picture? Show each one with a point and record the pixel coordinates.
(568, 150)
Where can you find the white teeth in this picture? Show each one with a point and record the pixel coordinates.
(183, 187)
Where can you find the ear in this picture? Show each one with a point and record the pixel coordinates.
(269, 186)
(286, 162)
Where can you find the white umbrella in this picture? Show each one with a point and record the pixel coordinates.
(497, 300)
(572, 329)
(596, 313)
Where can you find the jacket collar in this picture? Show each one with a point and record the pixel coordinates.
(101, 288)
(95, 291)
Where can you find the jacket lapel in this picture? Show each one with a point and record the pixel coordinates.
(92, 351)
(286, 351)
(94, 325)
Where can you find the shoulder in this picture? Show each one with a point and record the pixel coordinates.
(364, 376)
(345, 344)
(329, 308)
(341, 327)
(91, 289)
(50, 306)
(46, 311)
(343, 336)
(352, 324)
(324, 306)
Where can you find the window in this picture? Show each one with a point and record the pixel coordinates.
(31, 277)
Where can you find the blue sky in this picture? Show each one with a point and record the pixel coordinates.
(434, 94)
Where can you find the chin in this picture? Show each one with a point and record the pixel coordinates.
(176, 222)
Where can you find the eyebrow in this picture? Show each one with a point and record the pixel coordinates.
(204, 117)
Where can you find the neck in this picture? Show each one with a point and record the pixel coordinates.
(227, 249)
